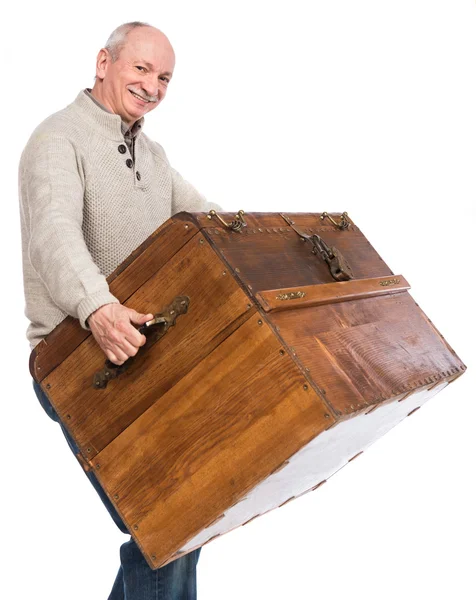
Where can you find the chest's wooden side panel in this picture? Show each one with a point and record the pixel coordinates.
(123, 282)
(362, 352)
(216, 434)
(315, 463)
(217, 306)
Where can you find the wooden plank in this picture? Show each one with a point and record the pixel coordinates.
(123, 282)
(363, 352)
(327, 293)
(237, 416)
(217, 306)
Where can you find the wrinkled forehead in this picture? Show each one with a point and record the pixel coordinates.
(146, 44)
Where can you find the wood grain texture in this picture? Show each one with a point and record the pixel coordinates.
(217, 306)
(224, 427)
(241, 407)
(123, 282)
(329, 293)
(277, 257)
(310, 467)
(365, 351)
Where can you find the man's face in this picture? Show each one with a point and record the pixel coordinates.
(137, 81)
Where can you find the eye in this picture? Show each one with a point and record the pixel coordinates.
(140, 68)
(164, 78)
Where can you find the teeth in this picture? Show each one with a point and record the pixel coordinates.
(137, 96)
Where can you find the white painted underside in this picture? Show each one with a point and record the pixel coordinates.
(317, 461)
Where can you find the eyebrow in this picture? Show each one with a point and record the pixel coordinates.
(151, 67)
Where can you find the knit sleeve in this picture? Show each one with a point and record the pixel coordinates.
(57, 249)
(186, 197)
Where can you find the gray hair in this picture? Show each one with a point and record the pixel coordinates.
(117, 40)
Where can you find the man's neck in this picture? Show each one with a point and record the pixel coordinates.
(99, 97)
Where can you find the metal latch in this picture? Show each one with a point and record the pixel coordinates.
(338, 265)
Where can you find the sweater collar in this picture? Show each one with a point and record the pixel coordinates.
(109, 124)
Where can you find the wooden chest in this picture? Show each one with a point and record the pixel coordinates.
(274, 372)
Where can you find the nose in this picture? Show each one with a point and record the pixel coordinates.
(151, 86)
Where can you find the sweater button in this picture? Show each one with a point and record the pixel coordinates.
(122, 149)
(129, 163)
(138, 176)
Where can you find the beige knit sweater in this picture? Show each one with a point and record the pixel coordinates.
(85, 206)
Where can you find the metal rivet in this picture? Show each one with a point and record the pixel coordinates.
(201, 241)
(305, 387)
(249, 287)
(68, 417)
(237, 269)
(116, 496)
(248, 306)
(307, 369)
(136, 527)
(260, 322)
(224, 273)
(282, 352)
(88, 449)
(209, 217)
(186, 226)
(153, 557)
(98, 466)
(98, 383)
(327, 416)
(48, 386)
(106, 373)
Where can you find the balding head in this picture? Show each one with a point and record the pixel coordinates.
(133, 70)
(117, 40)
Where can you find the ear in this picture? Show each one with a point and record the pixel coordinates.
(102, 62)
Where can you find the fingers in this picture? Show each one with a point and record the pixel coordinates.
(139, 318)
(115, 359)
(112, 328)
(130, 336)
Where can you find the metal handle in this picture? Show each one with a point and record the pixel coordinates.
(153, 330)
(235, 225)
(344, 220)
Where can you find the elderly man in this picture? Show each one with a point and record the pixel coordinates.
(93, 187)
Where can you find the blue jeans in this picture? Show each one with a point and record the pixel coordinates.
(135, 579)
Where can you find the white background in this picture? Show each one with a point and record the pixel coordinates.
(366, 106)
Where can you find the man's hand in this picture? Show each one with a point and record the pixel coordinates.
(111, 326)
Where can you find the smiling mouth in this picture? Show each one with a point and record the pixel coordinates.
(139, 97)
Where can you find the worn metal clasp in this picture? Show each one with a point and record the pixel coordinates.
(336, 261)
(235, 225)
